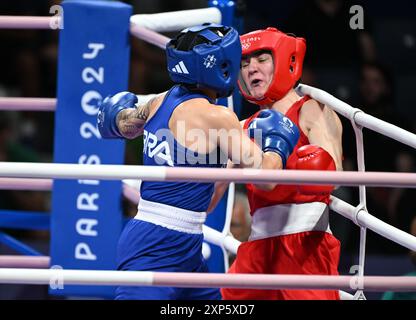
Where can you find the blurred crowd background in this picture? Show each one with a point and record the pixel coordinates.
(373, 69)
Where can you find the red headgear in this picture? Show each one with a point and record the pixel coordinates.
(288, 53)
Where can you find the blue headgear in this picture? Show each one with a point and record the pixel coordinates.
(211, 61)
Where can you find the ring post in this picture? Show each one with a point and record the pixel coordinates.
(86, 214)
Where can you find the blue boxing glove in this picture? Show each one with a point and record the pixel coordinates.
(278, 133)
(108, 111)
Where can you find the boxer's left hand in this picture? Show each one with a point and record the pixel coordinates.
(279, 133)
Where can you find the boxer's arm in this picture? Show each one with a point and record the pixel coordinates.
(323, 128)
(130, 122)
(243, 152)
(220, 188)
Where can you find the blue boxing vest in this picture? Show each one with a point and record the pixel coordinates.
(160, 148)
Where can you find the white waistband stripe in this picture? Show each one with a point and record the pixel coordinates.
(289, 218)
(171, 217)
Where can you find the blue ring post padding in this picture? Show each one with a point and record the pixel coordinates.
(27, 220)
(18, 246)
(93, 62)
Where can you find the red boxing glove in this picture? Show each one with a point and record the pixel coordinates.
(313, 157)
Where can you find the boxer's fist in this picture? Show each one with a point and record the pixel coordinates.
(108, 111)
(279, 133)
(313, 157)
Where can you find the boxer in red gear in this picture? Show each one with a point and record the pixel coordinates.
(290, 231)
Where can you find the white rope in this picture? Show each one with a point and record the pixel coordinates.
(220, 239)
(149, 36)
(360, 117)
(27, 104)
(160, 22)
(162, 173)
(76, 171)
(203, 280)
(47, 104)
(176, 20)
(365, 219)
(24, 261)
(29, 22)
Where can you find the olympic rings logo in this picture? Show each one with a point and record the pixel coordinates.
(246, 45)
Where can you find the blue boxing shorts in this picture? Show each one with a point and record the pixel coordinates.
(145, 246)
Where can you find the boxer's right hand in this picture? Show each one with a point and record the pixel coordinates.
(279, 133)
(313, 157)
(108, 111)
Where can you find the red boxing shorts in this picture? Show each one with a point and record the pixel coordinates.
(310, 253)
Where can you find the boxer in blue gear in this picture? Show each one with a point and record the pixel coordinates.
(166, 234)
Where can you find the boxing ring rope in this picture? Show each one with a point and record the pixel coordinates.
(149, 36)
(359, 117)
(44, 104)
(207, 280)
(28, 22)
(25, 184)
(160, 22)
(46, 185)
(161, 173)
(221, 239)
(118, 172)
(363, 218)
(27, 104)
(41, 262)
(176, 20)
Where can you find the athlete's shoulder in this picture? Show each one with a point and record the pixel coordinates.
(313, 110)
(314, 113)
(220, 116)
(312, 105)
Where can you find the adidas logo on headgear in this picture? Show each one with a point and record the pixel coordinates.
(180, 68)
